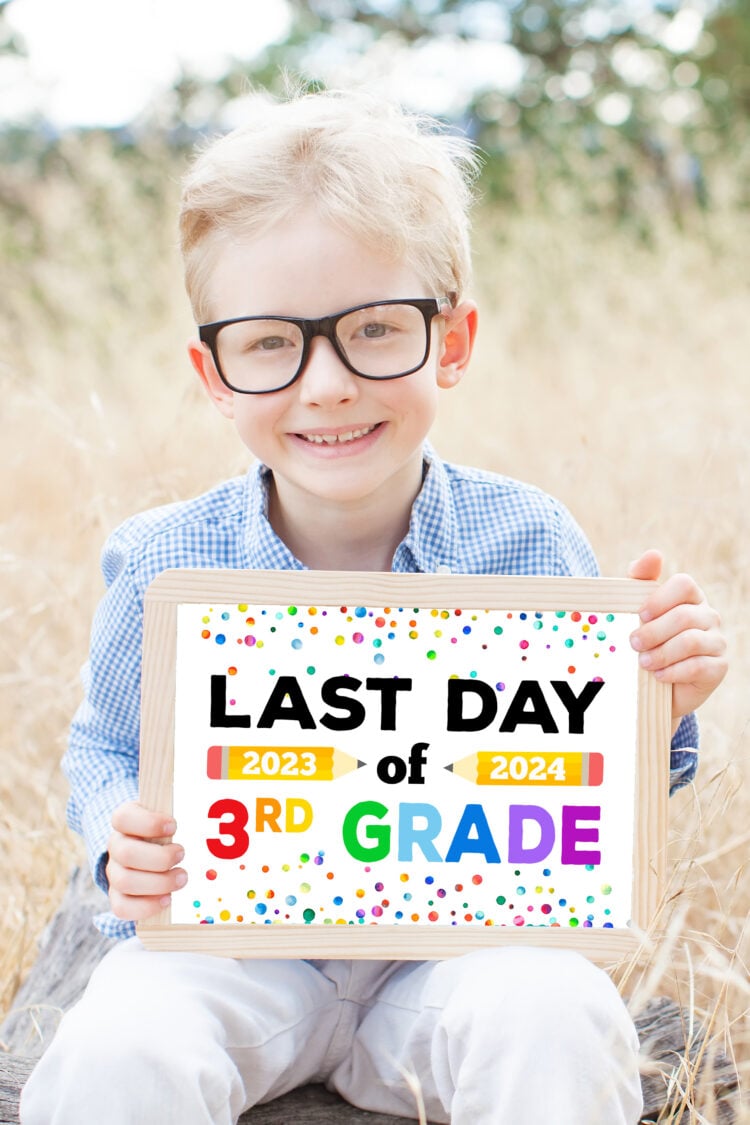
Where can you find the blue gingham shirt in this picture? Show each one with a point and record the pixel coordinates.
(466, 520)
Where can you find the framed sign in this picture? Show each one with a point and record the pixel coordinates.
(406, 766)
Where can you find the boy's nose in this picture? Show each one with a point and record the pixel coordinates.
(325, 380)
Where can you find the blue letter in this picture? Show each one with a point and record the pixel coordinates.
(482, 843)
(409, 834)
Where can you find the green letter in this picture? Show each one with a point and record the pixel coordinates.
(380, 833)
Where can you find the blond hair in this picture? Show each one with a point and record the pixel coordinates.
(398, 181)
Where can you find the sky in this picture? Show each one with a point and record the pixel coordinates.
(97, 63)
(94, 62)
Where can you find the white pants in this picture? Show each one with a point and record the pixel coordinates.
(499, 1037)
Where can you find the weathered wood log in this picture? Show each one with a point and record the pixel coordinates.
(71, 947)
(314, 1105)
(14, 1070)
(663, 1033)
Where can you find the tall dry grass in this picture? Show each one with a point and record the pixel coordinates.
(613, 374)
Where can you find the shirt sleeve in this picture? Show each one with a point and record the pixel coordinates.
(101, 762)
(683, 759)
(577, 558)
(575, 554)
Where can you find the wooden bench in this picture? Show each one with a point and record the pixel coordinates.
(71, 947)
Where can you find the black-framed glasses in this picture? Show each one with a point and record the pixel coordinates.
(255, 355)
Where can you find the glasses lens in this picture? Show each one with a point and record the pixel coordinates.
(259, 355)
(384, 340)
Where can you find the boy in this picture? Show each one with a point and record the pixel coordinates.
(326, 256)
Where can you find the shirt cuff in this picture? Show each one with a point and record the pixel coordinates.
(683, 759)
(96, 823)
(113, 927)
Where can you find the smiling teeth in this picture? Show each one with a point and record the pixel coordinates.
(334, 439)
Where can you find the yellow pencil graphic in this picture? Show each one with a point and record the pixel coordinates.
(279, 763)
(488, 767)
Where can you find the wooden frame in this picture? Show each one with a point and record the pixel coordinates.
(541, 600)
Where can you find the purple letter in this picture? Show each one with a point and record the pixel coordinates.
(572, 834)
(517, 853)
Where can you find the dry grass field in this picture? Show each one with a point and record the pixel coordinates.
(613, 374)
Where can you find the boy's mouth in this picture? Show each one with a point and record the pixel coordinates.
(344, 437)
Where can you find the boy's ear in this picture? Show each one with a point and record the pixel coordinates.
(218, 391)
(458, 344)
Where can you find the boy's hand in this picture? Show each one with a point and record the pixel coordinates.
(679, 639)
(141, 871)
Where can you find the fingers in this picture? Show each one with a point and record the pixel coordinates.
(685, 620)
(671, 620)
(131, 884)
(679, 590)
(133, 819)
(681, 642)
(673, 644)
(648, 567)
(141, 869)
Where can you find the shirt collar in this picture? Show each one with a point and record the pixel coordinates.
(264, 548)
(429, 545)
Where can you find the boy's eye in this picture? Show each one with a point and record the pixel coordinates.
(374, 331)
(252, 338)
(270, 343)
(380, 323)
(367, 330)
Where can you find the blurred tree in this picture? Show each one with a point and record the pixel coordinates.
(725, 72)
(616, 100)
(10, 44)
(12, 209)
(616, 106)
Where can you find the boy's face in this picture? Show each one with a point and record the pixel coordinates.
(305, 267)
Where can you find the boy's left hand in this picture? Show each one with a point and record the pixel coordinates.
(679, 638)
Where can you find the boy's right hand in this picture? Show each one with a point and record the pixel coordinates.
(141, 869)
